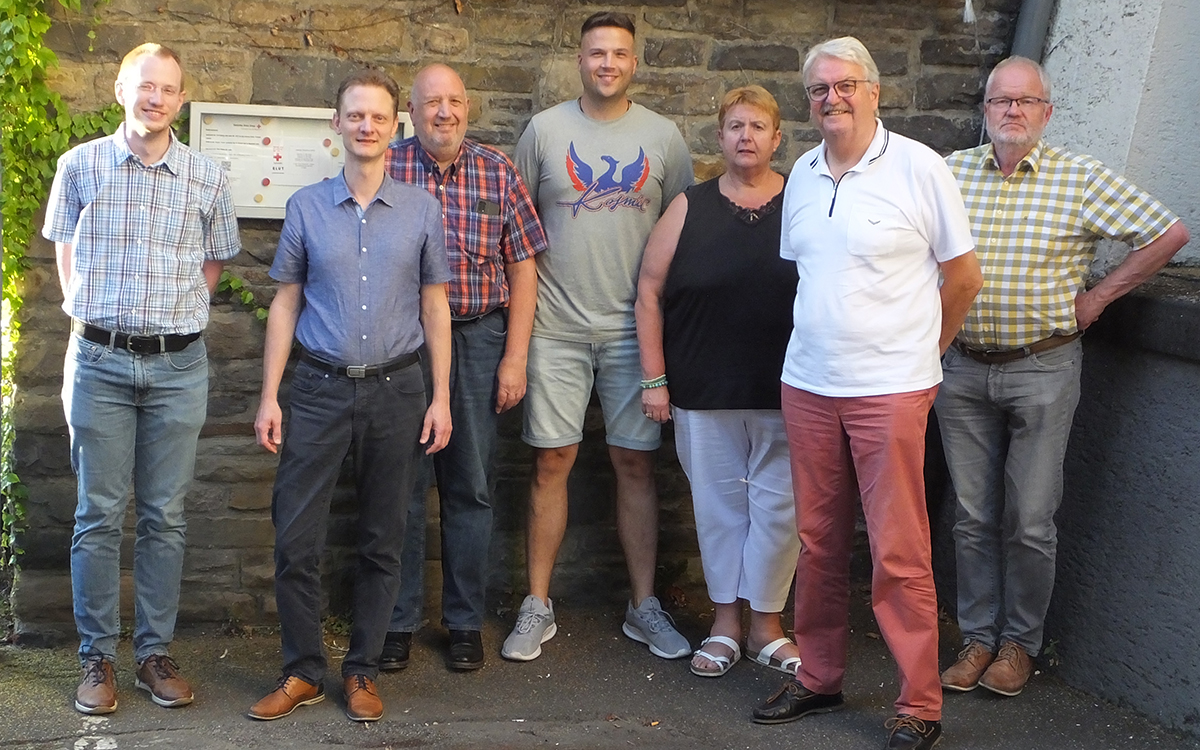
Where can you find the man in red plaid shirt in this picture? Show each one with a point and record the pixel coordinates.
(492, 234)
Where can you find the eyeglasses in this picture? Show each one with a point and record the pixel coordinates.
(149, 88)
(819, 92)
(1025, 102)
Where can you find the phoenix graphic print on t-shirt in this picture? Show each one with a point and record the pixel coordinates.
(607, 191)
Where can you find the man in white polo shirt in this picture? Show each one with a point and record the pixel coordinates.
(870, 218)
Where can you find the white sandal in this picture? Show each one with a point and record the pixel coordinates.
(767, 658)
(723, 662)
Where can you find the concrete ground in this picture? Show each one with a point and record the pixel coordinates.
(592, 688)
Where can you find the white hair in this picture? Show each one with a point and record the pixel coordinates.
(845, 48)
(1018, 60)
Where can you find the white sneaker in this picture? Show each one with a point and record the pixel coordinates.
(648, 624)
(535, 625)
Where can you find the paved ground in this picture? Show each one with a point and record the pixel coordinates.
(592, 688)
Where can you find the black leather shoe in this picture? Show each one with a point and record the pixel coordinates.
(466, 650)
(794, 701)
(396, 647)
(911, 733)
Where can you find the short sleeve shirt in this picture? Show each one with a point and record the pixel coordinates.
(362, 268)
(600, 186)
(489, 219)
(1037, 231)
(867, 316)
(140, 234)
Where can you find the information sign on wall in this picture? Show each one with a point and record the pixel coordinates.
(270, 152)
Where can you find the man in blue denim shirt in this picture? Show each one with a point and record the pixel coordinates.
(142, 226)
(362, 270)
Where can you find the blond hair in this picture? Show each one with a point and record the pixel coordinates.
(751, 96)
(149, 48)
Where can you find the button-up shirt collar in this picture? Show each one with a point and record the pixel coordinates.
(432, 167)
(1028, 163)
(172, 159)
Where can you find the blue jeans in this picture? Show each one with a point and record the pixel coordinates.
(131, 416)
(465, 479)
(1005, 429)
(377, 420)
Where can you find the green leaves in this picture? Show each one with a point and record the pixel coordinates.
(237, 289)
(35, 128)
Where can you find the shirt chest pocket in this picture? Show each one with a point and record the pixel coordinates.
(876, 230)
(476, 237)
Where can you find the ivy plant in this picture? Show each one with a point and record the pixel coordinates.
(35, 128)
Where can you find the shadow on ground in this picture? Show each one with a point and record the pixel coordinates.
(592, 688)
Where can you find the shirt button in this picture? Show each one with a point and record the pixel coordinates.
(364, 249)
(364, 337)
(364, 278)
(364, 307)
(364, 221)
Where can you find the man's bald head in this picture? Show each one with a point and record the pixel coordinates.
(438, 107)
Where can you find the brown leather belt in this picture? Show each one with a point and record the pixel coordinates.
(1000, 356)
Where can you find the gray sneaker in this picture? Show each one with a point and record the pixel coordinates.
(535, 626)
(648, 624)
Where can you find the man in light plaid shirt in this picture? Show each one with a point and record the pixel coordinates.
(1011, 381)
(142, 226)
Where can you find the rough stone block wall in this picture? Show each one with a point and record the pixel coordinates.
(516, 58)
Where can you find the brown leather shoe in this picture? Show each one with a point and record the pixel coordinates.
(1009, 673)
(97, 692)
(290, 693)
(964, 675)
(159, 675)
(362, 702)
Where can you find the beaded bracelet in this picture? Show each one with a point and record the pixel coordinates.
(658, 382)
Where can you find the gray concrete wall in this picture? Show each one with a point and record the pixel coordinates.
(1123, 621)
(1125, 91)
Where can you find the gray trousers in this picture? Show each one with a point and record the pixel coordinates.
(1005, 429)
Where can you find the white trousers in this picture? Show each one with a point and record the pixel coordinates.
(738, 464)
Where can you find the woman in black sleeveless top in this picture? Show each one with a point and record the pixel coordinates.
(714, 313)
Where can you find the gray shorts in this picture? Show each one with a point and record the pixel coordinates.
(561, 375)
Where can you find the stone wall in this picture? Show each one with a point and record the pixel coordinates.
(516, 58)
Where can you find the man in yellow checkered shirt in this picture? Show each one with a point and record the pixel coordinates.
(1011, 380)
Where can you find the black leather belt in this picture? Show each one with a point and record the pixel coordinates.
(362, 371)
(167, 342)
(1000, 356)
(459, 322)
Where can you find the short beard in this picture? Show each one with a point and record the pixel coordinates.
(1028, 140)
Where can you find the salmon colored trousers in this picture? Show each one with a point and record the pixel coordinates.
(871, 447)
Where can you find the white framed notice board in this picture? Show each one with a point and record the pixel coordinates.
(270, 152)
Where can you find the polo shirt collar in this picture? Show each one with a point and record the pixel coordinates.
(876, 149)
(388, 192)
(1031, 162)
(172, 159)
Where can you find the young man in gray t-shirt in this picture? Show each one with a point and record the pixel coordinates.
(601, 170)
